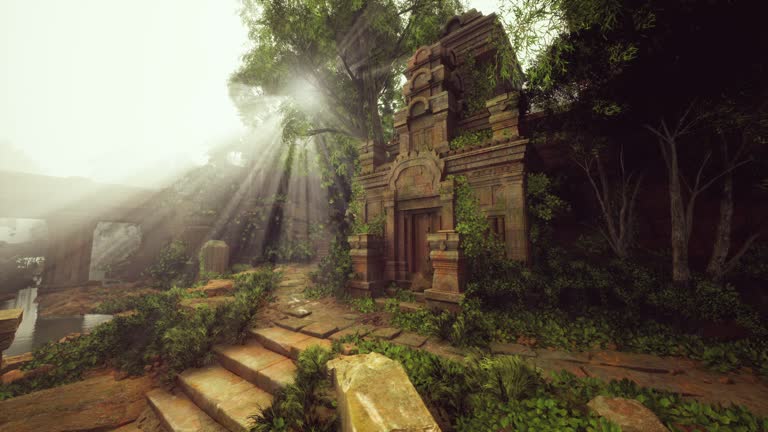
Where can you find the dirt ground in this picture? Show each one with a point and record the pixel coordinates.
(83, 300)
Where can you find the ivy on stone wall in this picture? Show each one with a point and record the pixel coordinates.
(469, 139)
(473, 224)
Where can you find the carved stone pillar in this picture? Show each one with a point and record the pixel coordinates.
(447, 201)
(516, 231)
(366, 253)
(505, 115)
(390, 236)
(449, 267)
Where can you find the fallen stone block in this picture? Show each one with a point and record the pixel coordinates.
(375, 394)
(630, 414)
(215, 288)
(386, 333)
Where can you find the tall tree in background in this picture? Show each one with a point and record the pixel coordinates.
(349, 51)
(619, 69)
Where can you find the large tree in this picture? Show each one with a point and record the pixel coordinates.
(680, 75)
(349, 51)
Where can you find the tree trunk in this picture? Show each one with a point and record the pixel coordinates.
(372, 106)
(681, 273)
(716, 266)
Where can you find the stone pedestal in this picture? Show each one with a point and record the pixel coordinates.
(449, 267)
(214, 257)
(366, 252)
(9, 322)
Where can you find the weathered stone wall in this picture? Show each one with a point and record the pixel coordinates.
(409, 180)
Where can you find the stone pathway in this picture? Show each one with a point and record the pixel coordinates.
(325, 318)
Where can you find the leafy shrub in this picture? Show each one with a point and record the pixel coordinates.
(293, 250)
(333, 271)
(118, 304)
(374, 226)
(364, 305)
(168, 269)
(160, 331)
(469, 139)
(295, 407)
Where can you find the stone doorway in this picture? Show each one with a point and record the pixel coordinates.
(419, 224)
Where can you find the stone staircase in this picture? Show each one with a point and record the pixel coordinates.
(223, 396)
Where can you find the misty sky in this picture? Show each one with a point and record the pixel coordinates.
(118, 91)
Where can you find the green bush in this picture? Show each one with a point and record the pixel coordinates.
(168, 269)
(503, 393)
(469, 139)
(332, 272)
(295, 407)
(160, 331)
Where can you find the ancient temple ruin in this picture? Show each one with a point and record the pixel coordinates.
(411, 180)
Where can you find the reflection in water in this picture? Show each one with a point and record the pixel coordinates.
(35, 332)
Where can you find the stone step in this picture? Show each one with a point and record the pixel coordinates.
(226, 397)
(179, 414)
(267, 369)
(286, 342)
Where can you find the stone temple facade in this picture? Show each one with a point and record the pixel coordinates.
(411, 180)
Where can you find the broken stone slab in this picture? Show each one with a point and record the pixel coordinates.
(320, 329)
(297, 311)
(512, 349)
(629, 414)
(215, 288)
(387, 333)
(412, 340)
(367, 405)
(360, 330)
(350, 316)
(293, 324)
(15, 362)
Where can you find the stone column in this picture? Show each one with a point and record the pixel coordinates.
(516, 231)
(366, 253)
(390, 236)
(68, 259)
(449, 277)
(447, 204)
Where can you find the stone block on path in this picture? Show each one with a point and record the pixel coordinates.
(375, 394)
(630, 414)
(412, 340)
(387, 333)
(320, 329)
(294, 324)
(361, 330)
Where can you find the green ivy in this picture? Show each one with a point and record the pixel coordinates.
(469, 139)
(168, 268)
(160, 331)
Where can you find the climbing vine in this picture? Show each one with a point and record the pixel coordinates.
(469, 139)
